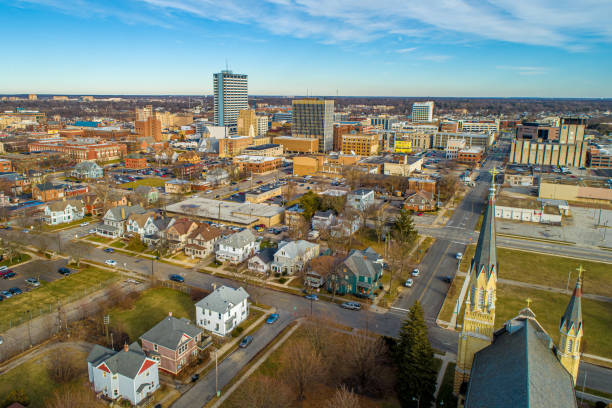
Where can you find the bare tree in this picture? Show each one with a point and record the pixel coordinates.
(343, 398)
(380, 220)
(399, 260)
(363, 357)
(289, 191)
(299, 229)
(261, 392)
(62, 368)
(75, 396)
(302, 366)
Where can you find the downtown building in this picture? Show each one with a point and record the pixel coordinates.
(230, 97)
(314, 119)
(422, 111)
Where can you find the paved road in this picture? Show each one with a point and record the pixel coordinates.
(204, 390)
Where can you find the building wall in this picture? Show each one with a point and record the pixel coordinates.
(297, 145)
(150, 127)
(247, 123)
(548, 154)
(313, 119)
(305, 165)
(230, 97)
(361, 144)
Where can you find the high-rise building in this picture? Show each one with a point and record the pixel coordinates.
(313, 119)
(150, 127)
(231, 96)
(247, 123)
(144, 113)
(263, 123)
(32, 97)
(422, 111)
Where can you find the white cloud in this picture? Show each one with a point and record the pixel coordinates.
(435, 58)
(405, 50)
(525, 70)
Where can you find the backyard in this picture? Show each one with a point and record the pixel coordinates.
(151, 182)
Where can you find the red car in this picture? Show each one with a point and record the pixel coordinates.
(419, 214)
(5, 272)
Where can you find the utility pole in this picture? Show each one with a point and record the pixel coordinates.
(217, 374)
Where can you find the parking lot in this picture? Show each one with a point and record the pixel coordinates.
(42, 270)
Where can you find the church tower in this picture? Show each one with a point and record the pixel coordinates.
(479, 309)
(570, 331)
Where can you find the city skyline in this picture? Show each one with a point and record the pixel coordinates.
(159, 47)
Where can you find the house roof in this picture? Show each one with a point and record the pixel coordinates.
(207, 232)
(183, 225)
(427, 195)
(122, 212)
(266, 255)
(141, 218)
(295, 249)
(61, 205)
(361, 264)
(519, 369)
(144, 189)
(222, 299)
(169, 332)
(47, 185)
(87, 166)
(324, 214)
(239, 239)
(126, 363)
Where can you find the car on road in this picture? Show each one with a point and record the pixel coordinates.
(15, 291)
(272, 318)
(109, 250)
(459, 256)
(6, 294)
(195, 377)
(408, 283)
(32, 282)
(419, 214)
(64, 271)
(9, 275)
(177, 278)
(91, 231)
(3, 268)
(447, 279)
(415, 272)
(244, 343)
(84, 224)
(311, 296)
(110, 262)
(351, 305)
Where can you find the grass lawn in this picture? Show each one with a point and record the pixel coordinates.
(420, 252)
(152, 306)
(136, 245)
(118, 244)
(467, 258)
(553, 271)
(87, 218)
(366, 237)
(33, 377)
(47, 295)
(151, 182)
(479, 222)
(99, 239)
(445, 395)
(19, 258)
(446, 312)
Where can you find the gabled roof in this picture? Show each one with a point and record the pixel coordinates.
(87, 166)
(222, 299)
(47, 185)
(61, 205)
(239, 239)
(182, 226)
(144, 189)
(324, 214)
(519, 369)
(169, 332)
(266, 255)
(205, 232)
(126, 363)
(141, 218)
(361, 264)
(122, 212)
(294, 249)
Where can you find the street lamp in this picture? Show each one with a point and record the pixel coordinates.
(418, 400)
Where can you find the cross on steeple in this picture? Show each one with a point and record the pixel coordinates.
(493, 172)
(580, 269)
(529, 302)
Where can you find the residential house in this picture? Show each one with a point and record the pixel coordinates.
(127, 374)
(360, 199)
(13, 183)
(173, 343)
(93, 204)
(223, 310)
(359, 274)
(420, 201)
(346, 225)
(137, 223)
(201, 241)
(177, 186)
(178, 233)
(322, 220)
(116, 199)
(87, 170)
(159, 227)
(217, 176)
(47, 191)
(293, 256)
(261, 261)
(147, 193)
(293, 214)
(60, 212)
(237, 247)
(188, 157)
(114, 221)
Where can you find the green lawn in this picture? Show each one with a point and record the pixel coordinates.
(87, 218)
(152, 182)
(445, 395)
(38, 301)
(446, 312)
(33, 377)
(553, 271)
(467, 258)
(19, 258)
(118, 244)
(152, 306)
(99, 239)
(136, 245)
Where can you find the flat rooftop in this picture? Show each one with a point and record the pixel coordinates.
(263, 146)
(225, 211)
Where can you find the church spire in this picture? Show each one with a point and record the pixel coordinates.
(571, 321)
(485, 256)
(570, 330)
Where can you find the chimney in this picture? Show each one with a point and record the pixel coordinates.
(126, 348)
(170, 314)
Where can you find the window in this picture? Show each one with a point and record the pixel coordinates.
(570, 345)
(481, 298)
(155, 347)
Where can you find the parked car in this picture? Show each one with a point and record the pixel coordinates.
(408, 283)
(311, 296)
(109, 250)
(195, 377)
(244, 343)
(415, 272)
(91, 231)
(84, 224)
(64, 271)
(272, 318)
(351, 305)
(9, 275)
(6, 294)
(177, 278)
(3, 268)
(33, 282)
(110, 262)
(459, 256)
(447, 279)
(15, 291)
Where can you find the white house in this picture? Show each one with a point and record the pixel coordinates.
(360, 199)
(237, 247)
(127, 374)
(261, 261)
(322, 220)
(59, 212)
(115, 219)
(222, 310)
(292, 256)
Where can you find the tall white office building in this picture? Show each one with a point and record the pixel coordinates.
(262, 125)
(422, 111)
(231, 96)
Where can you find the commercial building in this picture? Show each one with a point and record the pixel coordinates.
(419, 140)
(233, 145)
(230, 97)
(453, 146)
(297, 144)
(402, 146)
(135, 161)
(5, 165)
(449, 126)
(150, 127)
(360, 143)
(472, 155)
(598, 156)
(247, 123)
(268, 150)
(263, 193)
(540, 132)
(325, 166)
(313, 119)
(482, 126)
(263, 124)
(586, 190)
(144, 113)
(81, 149)
(403, 166)
(441, 139)
(422, 111)
(258, 164)
(548, 154)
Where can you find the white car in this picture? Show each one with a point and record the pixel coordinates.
(459, 256)
(409, 283)
(415, 272)
(84, 224)
(110, 262)
(92, 231)
(3, 268)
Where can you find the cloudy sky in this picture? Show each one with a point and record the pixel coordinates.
(549, 48)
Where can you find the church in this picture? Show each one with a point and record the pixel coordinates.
(517, 365)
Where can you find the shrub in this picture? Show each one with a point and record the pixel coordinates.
(282, 280)
(277, 274)
(237, 331)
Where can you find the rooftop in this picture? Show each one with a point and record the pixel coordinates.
(263, 146)
(225, 211)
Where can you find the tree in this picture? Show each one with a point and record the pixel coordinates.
(399, 260)
(343, 398)
(17, 395)
(76, 396)
(380, 221)
(62, 368)
(289, 191)
(299, 229)
(447, 187)
(311, 203)
(334, 203)
(362, 361)
(302, 366)
(414, 357)
(260, 391)
(403, 228)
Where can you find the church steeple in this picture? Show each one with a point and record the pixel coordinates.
(570, 330)
(479, 310)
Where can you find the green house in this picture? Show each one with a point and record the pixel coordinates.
(359, 274)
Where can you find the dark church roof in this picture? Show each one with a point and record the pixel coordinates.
(485, 257)
(572, 318)
(520, 369)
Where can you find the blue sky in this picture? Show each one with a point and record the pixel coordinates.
(548, 48)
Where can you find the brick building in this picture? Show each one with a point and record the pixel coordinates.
(5, 165)
(150, 127)
(135, 161)
(359, 143)
(470, 156)
(297, 144)
(81, 149)
(258, 164)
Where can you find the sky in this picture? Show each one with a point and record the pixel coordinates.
(473, 48)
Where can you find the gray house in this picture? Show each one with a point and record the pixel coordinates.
(223, 310)
(148, 193)
(87, 170)
(292, 256)
(360, 199)
(115, 219)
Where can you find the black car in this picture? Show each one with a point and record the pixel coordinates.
(195, 377)
(177, 278)
(64, 271)
(15, 291)
(246, 341)
(447, 279)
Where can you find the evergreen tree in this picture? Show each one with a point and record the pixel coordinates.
(414, 357)
(311, 203)
(403, 228)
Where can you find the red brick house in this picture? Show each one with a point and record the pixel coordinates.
(420, 201)
(173, 343)
(47, 191)
(135, 161)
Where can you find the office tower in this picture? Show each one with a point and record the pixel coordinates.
(422, 111)
(32, 97)
(247, 123)
(149, 127)
(231, 96)
(313, 119)
(262, 125)
(144, 113)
